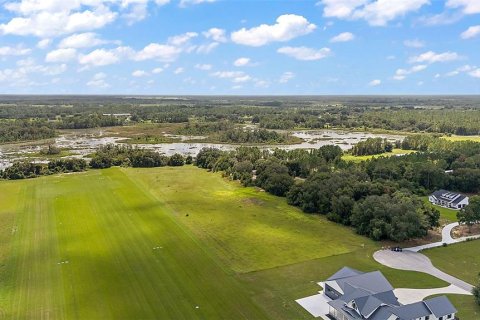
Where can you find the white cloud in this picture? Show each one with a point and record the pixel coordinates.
(160, 52)
(288, 27)
(343, 37)
(401, 74)
(185, 3)
(47, 24)
(103, 57)
(157, 70)
(98, 81)
(44, 43)
(467, 6)
(375, 12)
(14, 51)
(216, 34)
(206, 48)
(139, 73)
(228, 74)
(414, 43)
(465, 68)
(375, 83)
(241, 62)
(304, 53)
(179, 70)
(182, 39)
(432, 57)
(471, 32)
(242, 79)
(286, 77)
(61, 55)
(204, 67)
(81, 40)
(475, 73)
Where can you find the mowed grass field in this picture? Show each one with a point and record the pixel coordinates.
(158, 243)
(395, 152)
(95, 246)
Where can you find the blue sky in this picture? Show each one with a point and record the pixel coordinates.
(240, 47)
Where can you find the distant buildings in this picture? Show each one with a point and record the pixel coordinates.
(357, 295)
(448, 199)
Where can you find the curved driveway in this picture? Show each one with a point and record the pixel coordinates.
(410, 259)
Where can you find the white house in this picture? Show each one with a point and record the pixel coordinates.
(448, 199)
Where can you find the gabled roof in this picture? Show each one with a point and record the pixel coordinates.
(440, 306)
(374, 282)
(344, 273)
(411, 311)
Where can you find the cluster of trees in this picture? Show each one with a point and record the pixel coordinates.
(86, 121)
(470, 215)
(238, 135)
(25, 130)
(372, 146)
(378, 197)
(26, 170)
(113, 155)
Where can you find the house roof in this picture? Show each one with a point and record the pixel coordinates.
(440, 306)
(374, 282)
(374, 298)
(344, 273)
(448, 196)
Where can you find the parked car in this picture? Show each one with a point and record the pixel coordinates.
(397, 249)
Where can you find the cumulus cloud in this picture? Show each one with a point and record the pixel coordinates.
(287, 27)
(401, 74)
(234, 76)
(343, 37)
(414, 43)
(44, 43)
(185, 3)
(50, 18)
(179, 70)
(61, 55)
(160, 52)
(375, 83)
(467, 6)
(216, 34)
(286, 77)
(14, 51)
(98, 81)
(462, 69)
(304, 53)
(139, 73)
(432, 57)
(157, 70)
(104, 57)
(475, 73)
(81, 40)
(241, 62)
(375, 12)
(471, 32)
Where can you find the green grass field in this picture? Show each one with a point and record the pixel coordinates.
(157, 243)
(463, 261)
(462, 138)
(352, 158)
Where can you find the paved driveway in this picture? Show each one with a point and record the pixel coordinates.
(407, 296)
(316, 305)
(414, 261)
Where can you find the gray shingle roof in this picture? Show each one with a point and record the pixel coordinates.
(440, 306)
(449, 196)
(374, 282)
(344, 273)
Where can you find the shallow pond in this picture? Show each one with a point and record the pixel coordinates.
(84, 143)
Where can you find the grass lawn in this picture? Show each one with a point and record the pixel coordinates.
(156, 243)
(96, 246)
(461, 260)
(448, 215)
(349, 157)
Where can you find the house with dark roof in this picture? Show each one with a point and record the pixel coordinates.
(369, 296)
(448, 199)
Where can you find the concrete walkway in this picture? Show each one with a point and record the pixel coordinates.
(407, 296)
(446, 238)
